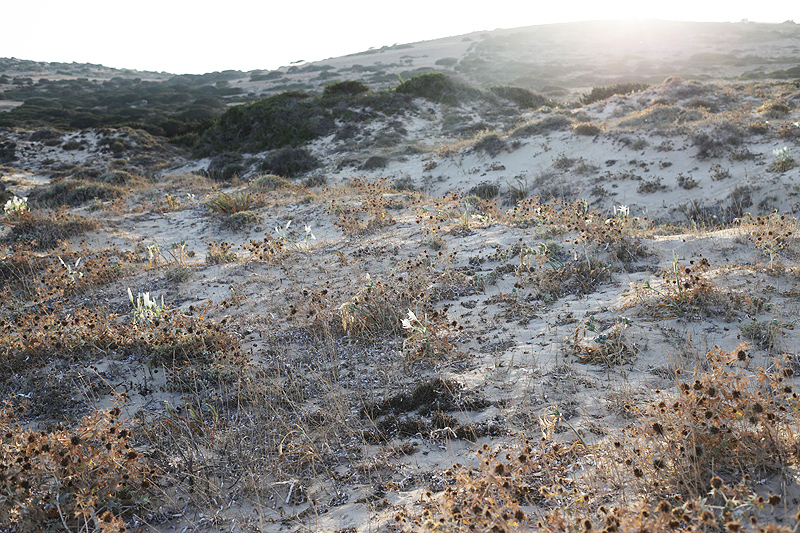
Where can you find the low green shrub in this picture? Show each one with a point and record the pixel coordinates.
(268, 182)
(485, 190)
(438, 87)
(289, 162)
(345, 87)
(46, 231)
(774, 109)
(601, 93)
(74, 193)
(240, 219)
(542, 126)
(489, 143)
(375, 162)
(225, 166)
(524, 98)
(230, 203)
(587, 128)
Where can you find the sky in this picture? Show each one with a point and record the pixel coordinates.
(195, 37)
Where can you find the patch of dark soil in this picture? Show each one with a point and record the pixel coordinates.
(434, 395)
(439, 426)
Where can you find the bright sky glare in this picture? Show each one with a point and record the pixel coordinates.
(195, 37)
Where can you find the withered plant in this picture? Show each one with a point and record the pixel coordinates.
(369, 211)
(87, 478)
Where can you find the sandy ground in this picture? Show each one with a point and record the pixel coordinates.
(518, 350)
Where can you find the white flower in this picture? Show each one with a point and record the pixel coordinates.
(781, 153)
(16, 205)
(408, 322)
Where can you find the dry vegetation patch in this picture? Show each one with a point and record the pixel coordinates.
(342, 362)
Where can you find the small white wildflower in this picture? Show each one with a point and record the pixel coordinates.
(408, 322)
(781, 153)
(16, 205)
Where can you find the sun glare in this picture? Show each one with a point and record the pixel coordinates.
(181, 37)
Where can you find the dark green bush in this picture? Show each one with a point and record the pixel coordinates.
(489, 143)
(375, 162)
(272, 75)
(73, 193)
(447, 61)
(8, 151)
(71, 145)
(601, 93)
(118, 177)
(542, 126)
(289, 162)
(315, 180)
(345, 87)
(268, 182)
(286, 119)
(439, 87)
(524, 98)
(225, 166)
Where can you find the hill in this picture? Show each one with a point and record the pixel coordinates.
(538, 279)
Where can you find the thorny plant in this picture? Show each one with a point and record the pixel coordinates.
(728, 422)
(772, 233)
(36, 278)
(377, 306)
(498, 496)
(694, 462)
(455, 215)
(685, 288)
(220, 252)
(370, 214)
(88, 478)
(608, 347)
(551, 277)
(46, 230)
(29, 340)
(269, 249)
(617, 235)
